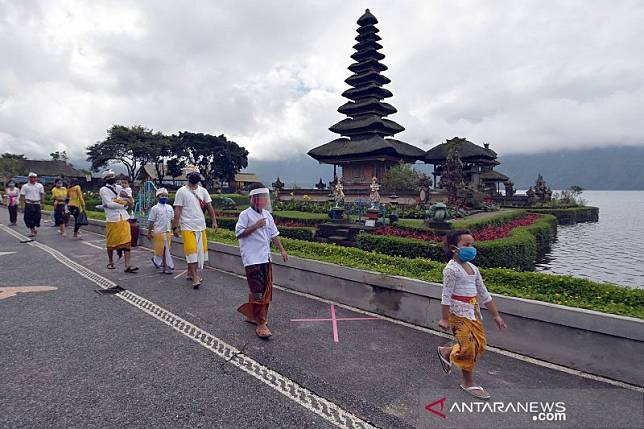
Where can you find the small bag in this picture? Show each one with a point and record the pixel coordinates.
(202, 203)
(81, 219)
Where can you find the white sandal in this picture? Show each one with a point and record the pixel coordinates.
(471, 390)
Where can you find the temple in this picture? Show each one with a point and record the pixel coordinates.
(478, 165)
(365, 148)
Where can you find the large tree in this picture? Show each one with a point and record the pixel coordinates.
(403, 177)
(59, 156)
(216, 157)
(126, 145)
(160, 148)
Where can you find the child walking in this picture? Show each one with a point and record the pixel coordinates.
(160, 232)
(255, 230)
(463, 291)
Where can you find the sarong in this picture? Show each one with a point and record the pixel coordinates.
(117, 235)
(32, 215)
(162, 242)
(195, 247)
(260, 284)
(471, 341)
(59, 214)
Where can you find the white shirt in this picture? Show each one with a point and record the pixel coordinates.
(32, 192)
(255, 248)
(128, 191)
(456, 281)
(161, 215)
(114, 212)
(192, 217)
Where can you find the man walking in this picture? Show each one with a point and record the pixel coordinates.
(190, 201)
(33, 197)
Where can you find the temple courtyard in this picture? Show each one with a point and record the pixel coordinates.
(160, 354)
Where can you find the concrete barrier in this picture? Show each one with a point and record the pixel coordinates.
(603, 344)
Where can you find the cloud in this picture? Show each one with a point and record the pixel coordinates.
(524, 76)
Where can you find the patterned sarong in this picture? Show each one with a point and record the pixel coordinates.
(471, 341)
(260, 284)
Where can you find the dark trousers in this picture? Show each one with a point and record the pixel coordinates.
(32, 215)
(13, 214)
(75, 211)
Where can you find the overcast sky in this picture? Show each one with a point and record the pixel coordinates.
(524, 76)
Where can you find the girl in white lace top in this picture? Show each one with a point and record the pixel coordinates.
(463, 291)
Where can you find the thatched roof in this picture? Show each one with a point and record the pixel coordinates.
(466, 150)
(376, 145)
(494, 176)
(50, 168)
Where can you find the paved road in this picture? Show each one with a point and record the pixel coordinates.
(161, 354)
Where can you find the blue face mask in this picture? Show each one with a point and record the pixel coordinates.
(466, 254)
(163, 200)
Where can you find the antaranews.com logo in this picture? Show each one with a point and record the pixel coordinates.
(541, 411)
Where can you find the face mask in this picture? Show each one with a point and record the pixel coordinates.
(194, 179)
(466, 254)
(163, 200)
(110, 181)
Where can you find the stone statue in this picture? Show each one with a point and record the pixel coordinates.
(338, 194)
(374, 195)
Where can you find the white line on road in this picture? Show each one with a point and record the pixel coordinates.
(93, 245)
(284, 385)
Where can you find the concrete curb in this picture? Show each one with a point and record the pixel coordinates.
(598, 343)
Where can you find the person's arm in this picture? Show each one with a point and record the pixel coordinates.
(175, 221)
(42, 195)
(106, 199)
(276, 241)
(81, 198)
(213, 216)
(486, 299)
(151, 219)
(449, 282)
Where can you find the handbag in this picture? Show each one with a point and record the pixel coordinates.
(81, 219)
(202, 203)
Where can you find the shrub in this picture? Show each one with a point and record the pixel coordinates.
(571, 215)
(301, 217)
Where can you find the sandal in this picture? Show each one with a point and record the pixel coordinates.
(155, 264)
(447, 366)
(131, 270)
(263, 332)
(111, 266)
(476, 391)
(252, 322)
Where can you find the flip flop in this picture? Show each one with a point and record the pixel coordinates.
(196, 285)
(131, 270)
(167, 272)
(155, 264)
(447, 366)
(111, 267)
(252, 322)
(476, 391)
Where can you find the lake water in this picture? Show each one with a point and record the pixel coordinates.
(611, 250)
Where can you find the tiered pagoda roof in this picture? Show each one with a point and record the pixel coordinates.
(365, 131)
(467, 151)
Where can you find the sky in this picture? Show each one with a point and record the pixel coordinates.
(525, 76)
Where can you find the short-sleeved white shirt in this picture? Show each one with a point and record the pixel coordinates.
(161, 215)
(32, 192)
(192, 217)
(114, 212)
(255, 248)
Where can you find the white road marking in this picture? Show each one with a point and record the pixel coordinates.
(6, 253)
(493, 349)
(87, 243)
(326, 409)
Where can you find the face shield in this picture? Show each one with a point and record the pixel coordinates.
(260, 199)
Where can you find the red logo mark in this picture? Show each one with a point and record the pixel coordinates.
(431, 409)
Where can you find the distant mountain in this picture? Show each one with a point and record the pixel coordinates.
(602, 169)
(617, 168)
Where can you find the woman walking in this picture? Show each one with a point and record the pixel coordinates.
(76, 205)
(13, 195)
(59, 196)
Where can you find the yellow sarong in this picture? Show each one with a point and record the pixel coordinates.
(471, 341)
(195, 247)
(162, 242)
(118, 236)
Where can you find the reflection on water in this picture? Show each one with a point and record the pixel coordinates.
(611, 250)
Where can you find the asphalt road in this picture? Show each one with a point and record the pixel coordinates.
(70, 357)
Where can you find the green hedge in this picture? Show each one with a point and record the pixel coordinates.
(299, 233)
(563, 290)
(520, 250)
(301, 217)
(498, 219)
(572, 215)
(240, 200)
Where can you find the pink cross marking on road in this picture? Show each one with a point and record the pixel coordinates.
(334, 321)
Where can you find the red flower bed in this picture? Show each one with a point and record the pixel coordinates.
(291, 223)
(488, 233)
